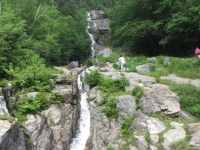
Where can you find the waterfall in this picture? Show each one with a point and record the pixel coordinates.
(91, 36)
(83, 132)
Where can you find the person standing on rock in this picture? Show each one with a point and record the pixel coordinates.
(122, 62)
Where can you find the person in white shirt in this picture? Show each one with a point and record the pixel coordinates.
(122, 62)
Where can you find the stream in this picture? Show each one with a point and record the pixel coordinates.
(83, 132)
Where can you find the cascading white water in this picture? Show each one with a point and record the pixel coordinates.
(84, 122)
(91, 36)
(83, 132)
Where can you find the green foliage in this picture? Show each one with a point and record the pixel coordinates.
(111, 59)
(155, 27)
(93, 79)
(110, 147)
(90, 62)
(137, 92)
(6, 117)
(56, 98)
(188, 95)
(31, 106)
(113, 85)
(110, 108)
(125, 126)
(186, 68)
(3, 83)
(40, 28)
(152, 68)
(138, 106)
(32, 75)
(28, 143)
(116, 66)
(52, 122)
(183, 144)
(132, 62)
(148, 139)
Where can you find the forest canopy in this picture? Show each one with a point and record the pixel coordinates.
(54, 30)
(156, 27)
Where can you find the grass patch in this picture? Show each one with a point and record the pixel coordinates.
(183, 144)
(188, 95)
(186, 68)
(137, 93)
(110, 147)
(6, 117)
(131, 63)
(125, 127)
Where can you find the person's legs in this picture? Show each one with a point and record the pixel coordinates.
(121, 66)
(124, 67)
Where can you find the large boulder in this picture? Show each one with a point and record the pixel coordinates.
(105, 52)
(73, 64)
(195, 140)
(126, 105)
(157, 100)
(145, 68)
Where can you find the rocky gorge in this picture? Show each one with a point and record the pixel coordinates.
(104, 133)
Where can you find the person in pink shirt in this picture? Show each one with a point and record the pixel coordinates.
(197, 52)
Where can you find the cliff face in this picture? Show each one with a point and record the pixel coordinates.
(11, 136)
(53, 129)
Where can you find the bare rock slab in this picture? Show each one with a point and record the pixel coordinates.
(173, 135)
(126, 105)
(157, 100)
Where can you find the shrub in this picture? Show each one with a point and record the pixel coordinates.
(93, 78)
(32, 75)
(188, 96)
(110, 147)
(113, 85)
(56, 98)
(116, 66)
(3, 83)
(125, 126)
(28, 143)
(110, 109)
(31, 106)
(52, 122)
(137, 92)
(89, 62)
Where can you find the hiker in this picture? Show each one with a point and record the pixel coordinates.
(122, 62)
(197, 52)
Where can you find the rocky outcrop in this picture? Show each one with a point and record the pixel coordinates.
(179, 80)
(126, 105)
(3, 108)
(158, 100)
(173, 135)
(99, 28)
(54, 128)
(11, 136)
